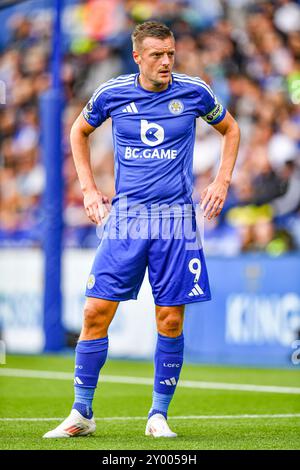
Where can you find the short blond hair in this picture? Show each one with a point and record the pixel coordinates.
(152, 29)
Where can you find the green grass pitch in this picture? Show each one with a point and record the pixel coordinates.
(32, 398)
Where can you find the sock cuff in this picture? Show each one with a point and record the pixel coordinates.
(84, 409)
(92, 345)
(154, 412)
(168, 344)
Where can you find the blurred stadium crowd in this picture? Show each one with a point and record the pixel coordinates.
(248, 51)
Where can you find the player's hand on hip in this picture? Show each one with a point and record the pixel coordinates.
(213, 198)
(96, 205)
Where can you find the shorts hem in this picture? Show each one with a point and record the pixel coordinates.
(184, 302)
(113, 299)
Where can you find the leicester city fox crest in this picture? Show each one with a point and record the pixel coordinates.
(176, 107)
(91, 281)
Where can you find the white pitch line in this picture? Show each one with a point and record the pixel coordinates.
(53, 375)
(203, 417)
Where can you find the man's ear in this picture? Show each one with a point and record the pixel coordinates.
(136, 57)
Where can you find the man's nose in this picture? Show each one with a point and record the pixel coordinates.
(165, 59)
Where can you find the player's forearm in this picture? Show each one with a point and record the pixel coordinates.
(81, 156)
(230, 146)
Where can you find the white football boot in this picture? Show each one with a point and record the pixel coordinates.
(157, 426)
(74, 425)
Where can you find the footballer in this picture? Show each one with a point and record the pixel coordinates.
(153, 114)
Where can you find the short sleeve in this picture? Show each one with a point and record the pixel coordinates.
(208, 107)
(96, 110)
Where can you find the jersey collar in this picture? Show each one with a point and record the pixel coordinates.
(138, 85)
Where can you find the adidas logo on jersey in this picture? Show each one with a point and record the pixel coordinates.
(196, 291)
(171, 381)
(131, 108)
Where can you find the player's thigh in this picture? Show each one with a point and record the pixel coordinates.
(177, 268)
(119, 265)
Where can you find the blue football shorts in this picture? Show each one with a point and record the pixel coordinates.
(170, 248)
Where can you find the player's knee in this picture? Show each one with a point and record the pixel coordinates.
(173, 326)
(91, 316)
(97, 316)
(170, 323)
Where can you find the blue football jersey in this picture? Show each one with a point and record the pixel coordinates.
(153, 136)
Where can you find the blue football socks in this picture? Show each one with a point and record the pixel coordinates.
(89, 359)
(168, 361)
